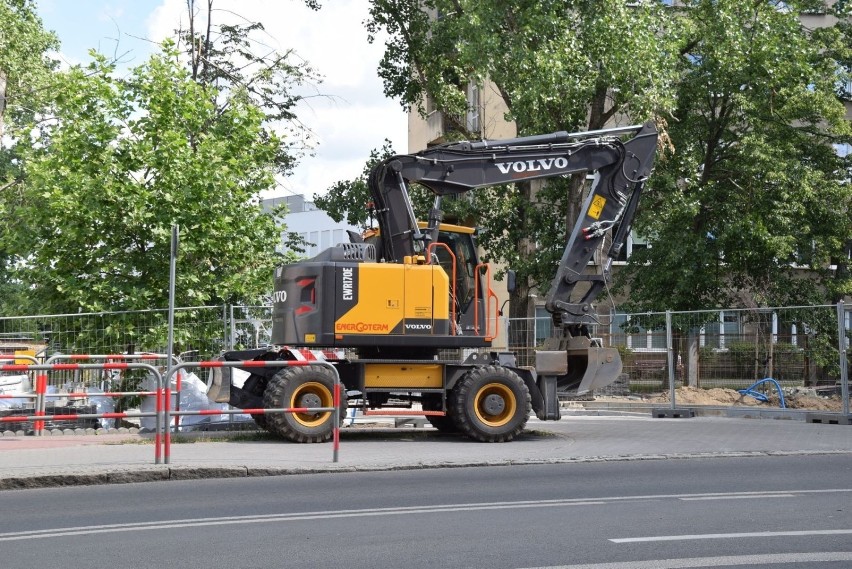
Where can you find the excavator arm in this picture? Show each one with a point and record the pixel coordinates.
(621, 168)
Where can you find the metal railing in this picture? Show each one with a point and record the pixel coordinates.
(162, 412)
(335, 409)
(41, 416)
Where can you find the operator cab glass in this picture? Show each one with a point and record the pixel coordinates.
(461, 245)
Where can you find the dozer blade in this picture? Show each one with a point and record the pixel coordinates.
(219, 385)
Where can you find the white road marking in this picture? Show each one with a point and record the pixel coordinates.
(732, 535)
(738, 497)
(306, 516)
(372, 512)
(774, 559)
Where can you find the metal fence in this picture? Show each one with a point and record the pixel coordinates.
(733, 348)
(201, 329)
(798, 346)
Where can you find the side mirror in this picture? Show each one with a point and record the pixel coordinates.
(511, 282)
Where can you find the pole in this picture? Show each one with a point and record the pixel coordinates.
(171, 341)
(844, 367)
(670, 356)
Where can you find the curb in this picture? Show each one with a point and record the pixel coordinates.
(182, 473)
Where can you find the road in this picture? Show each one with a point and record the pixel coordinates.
(780, 511)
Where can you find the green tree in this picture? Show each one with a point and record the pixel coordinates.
(755, 185)
(24, 61)
(348, 199)
(25, 66)
(565, 65)
(120, 161)
(228, 56)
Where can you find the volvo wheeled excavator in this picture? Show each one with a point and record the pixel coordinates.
(396, 300)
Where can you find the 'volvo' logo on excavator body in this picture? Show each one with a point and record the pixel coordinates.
(537, 165)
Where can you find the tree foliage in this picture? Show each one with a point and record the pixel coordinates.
(25, 67)
(191, 137)
(119, 163)
(753, 190)
(755, 186)
(562, 65)
(228, 56)
(25, 63)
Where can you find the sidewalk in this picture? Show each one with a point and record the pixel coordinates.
(30, 462)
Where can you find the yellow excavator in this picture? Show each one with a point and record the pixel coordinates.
(398, 299)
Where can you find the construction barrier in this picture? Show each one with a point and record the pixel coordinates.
(35, 396)
(41, 417)
(144, 356)
(261, 411)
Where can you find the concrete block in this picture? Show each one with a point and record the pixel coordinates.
(829, 418)
(669, 413)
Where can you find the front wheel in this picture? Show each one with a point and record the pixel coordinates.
(302, 387)
(491, 404)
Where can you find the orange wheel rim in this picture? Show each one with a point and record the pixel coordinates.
(495, 404)
(312, 391)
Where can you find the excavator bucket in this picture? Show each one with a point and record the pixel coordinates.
(602, 367)
(581, 368)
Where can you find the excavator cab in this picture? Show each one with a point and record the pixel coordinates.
(455, 251)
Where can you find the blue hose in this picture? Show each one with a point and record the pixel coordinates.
(762, 397)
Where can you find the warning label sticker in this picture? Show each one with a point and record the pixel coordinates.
(598, 203)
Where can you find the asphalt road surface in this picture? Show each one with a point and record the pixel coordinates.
(787, 511)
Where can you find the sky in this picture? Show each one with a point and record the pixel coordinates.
(352, 120)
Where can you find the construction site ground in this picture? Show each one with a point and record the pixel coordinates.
(805, 399)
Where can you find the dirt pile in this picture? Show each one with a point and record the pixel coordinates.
(796, 399)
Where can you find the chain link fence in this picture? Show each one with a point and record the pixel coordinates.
(732, 348)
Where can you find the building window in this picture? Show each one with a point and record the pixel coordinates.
(637, 332)
(473, 108)
(633, 243)
(543, 324)
(726, 329)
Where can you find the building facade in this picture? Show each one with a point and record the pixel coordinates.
(314, 226)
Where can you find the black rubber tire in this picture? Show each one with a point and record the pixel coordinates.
(309, 386)
(490, 404)
(445, 424)
(255, 385)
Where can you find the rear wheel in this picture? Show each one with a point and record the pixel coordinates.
(490, 404)
(302, 387)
